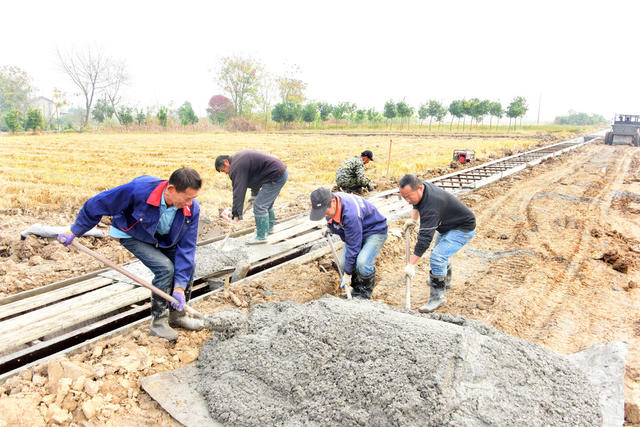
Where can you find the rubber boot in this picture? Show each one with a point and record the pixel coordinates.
(179, 319)
(160, 327)
(447, 279)
(367, 285)
(262, 228)
(436, 294)
(272, 220)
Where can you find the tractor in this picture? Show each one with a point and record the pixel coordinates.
(464, 156)
(625, 131)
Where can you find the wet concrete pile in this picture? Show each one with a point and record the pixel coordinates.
(340, 362)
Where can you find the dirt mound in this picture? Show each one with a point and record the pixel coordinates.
(364, 363)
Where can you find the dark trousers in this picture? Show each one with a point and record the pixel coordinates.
(160, 262)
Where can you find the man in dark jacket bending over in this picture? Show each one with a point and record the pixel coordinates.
(439, 211)
(265, 175)
(157, 221)
(362, 229)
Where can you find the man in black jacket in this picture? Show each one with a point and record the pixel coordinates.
(439, 211)
(265, 175)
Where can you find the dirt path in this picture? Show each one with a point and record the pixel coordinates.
(555, 261)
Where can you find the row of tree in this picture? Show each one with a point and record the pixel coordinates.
(475, 109)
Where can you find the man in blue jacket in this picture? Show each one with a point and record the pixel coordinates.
(157, 221)
(362, 229)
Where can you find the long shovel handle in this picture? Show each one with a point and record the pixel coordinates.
(347, 289)
(79, 246)
(407, 295)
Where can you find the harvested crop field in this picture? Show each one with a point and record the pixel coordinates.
(556, 261)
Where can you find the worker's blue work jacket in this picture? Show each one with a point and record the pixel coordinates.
(358, 219)
(135, 208)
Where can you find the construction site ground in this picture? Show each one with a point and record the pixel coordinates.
(555, 261)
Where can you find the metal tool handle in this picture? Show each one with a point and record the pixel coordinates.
(347, 289)
(407, 295)
(132, 276)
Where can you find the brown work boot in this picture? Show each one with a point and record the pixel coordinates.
(179, 319)
(160, 327)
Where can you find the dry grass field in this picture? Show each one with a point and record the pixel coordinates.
(54, 172)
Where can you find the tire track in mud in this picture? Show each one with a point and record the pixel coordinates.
(516, 294)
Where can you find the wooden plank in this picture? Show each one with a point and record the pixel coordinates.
(54, 310)
(125, 295)
(40, 300)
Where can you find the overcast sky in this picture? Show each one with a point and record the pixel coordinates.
(580, 55)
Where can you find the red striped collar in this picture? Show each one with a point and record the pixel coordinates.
(156, 197)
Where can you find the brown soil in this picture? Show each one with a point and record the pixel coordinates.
(542, 267)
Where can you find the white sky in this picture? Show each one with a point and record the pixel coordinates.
(580, 55)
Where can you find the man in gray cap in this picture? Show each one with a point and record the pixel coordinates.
(362, 229)
(350, 175)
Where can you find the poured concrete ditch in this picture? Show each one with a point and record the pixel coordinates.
(331, 362)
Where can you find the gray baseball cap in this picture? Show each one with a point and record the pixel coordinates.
(320, 198)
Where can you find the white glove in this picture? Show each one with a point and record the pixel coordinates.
(345, 281)
(226, 214)
(410, 271)
(409, 224)
(326, 231)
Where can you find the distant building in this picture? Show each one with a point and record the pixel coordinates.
(48, 107)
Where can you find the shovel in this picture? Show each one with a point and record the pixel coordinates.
(133, 277)
(347, 288)
(226, 237)
(407, 295)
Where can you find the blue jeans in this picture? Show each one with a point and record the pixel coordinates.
(445, 246)
(370, 248)
(160, 262)
(267, 195)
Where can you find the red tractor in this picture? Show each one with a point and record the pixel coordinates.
(464, 156)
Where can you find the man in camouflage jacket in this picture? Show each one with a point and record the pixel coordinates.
(350, 175)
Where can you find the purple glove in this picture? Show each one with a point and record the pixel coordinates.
(66, 239)
(181, 301)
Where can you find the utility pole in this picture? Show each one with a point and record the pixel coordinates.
(539, 102)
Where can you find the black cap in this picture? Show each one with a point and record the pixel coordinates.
(320, 198)
(367, 153)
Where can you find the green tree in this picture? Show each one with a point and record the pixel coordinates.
(126, 115)
(433, 110)
(15, 89)
(423, 113)
(141, 117)
(12, 119)
(373, 116)
(456, 109)
(285, 113)
(310, 113)
(441, 113)
(496, 111)
(517, 109)
(390, 111)
(163, 116)
(325, 111)
(360, 115)
(102, 111)
(404, 111)
(34, 120)
(240, 78)
(339, 111)
(186, 114)
(580, 119)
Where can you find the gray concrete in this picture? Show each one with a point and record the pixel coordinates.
(335, 362)
(209, 260)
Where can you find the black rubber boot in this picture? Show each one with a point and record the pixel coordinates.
(436, 294)
(447, 279)
(367, 283)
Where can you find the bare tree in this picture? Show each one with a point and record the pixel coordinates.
(116, 77)
(264, 95)
(88, 69)
(239, 77)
